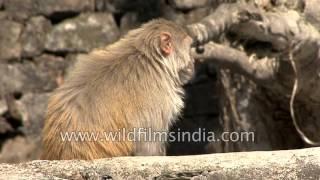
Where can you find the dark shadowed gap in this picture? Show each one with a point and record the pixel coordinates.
(58, 17)
(117, 17)
(201, 112)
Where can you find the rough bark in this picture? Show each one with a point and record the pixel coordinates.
(270, 57)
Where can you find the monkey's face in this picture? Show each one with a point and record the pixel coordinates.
(186, 70)
(177, 53)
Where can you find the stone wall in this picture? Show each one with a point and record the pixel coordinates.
(41, 39)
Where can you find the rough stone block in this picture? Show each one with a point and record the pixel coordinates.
(34, 35)
(83, 33)
(10, 46)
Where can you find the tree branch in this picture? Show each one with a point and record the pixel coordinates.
(221, 20)
(287, 32)
(261, 71)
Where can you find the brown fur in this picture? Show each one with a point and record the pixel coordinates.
(125, 85)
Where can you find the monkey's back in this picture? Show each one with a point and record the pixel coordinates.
(102, 95)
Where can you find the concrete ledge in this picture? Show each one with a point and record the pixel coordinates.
(292, 164)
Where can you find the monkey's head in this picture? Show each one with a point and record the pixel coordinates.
(166, 43)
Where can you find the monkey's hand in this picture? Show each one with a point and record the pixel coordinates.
(186, 74)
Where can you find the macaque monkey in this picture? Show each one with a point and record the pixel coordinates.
(134, 83)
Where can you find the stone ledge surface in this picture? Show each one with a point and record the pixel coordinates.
(289, 164)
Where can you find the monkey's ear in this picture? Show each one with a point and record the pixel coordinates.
(166, 43)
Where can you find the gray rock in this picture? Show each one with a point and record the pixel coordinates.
(189, 4)
(49, 7)
(179, 17)
(5, 126)
(120, 6)
(13, 109)
(3, 106)
(33, 36)
(12, 78)
(21, 10)
(173, 15)
(197, 14)
(311, 12)
(28, 8)
(129, 21)
(101, 5)
(25, 149)
(107, 5)
(3, 15)
(33, 108)
(10, 46)
(83, 33)
(1, 4)
(42, 75)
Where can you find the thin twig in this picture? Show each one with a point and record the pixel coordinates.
(292, 100)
